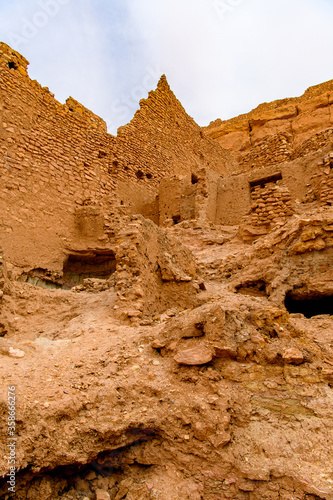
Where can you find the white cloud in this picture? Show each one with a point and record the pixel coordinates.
(221, 57)
(259, 51)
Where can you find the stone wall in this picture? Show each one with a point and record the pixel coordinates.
(63, 175)
(54, 159)
(271, 151)
(182, 199)
(317, 141)
(154, 272)
(271, 203)
(299, 177)
(326, 182)
(67, 183)
(176, 201)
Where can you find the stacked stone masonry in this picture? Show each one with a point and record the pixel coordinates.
(316, 142)
(271, 203)
(271, 151)
(326, 185)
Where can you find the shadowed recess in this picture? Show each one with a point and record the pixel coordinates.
(78, 267)
(309, 305)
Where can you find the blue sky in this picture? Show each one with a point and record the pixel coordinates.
(221, 57)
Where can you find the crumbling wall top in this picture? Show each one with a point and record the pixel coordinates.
(13, 59)
(77, 107)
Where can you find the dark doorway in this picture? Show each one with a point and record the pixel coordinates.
(309, 305)
(78, 267)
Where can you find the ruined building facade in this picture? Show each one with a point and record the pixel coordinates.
(66, 182)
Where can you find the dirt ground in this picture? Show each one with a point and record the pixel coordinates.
(229, 398)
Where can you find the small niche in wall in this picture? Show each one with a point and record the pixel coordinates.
(194, 179)
(149, 176)
(176, 219)
(102, 154)
(254, 288)
(139, 174)
(266, 180)
(12, 65)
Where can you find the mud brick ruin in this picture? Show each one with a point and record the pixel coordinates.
(166, 298)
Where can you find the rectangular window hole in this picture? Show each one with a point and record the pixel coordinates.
(266, 180)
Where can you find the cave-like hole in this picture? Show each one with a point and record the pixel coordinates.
(139, 174)
(149, 176)
(255, 288)
(176, 219)
(194, 179)
(309, 305)
(88, 265)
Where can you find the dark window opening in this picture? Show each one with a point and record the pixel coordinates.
(309, 305)
(102, 154)
(176, 219)
(139, 174)
(194, 179)
(121, 202)
(78, 267)
(266, 180)
(12, 65)
(149, 176)
(115, 163)
(70, 109)
(126, 168)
